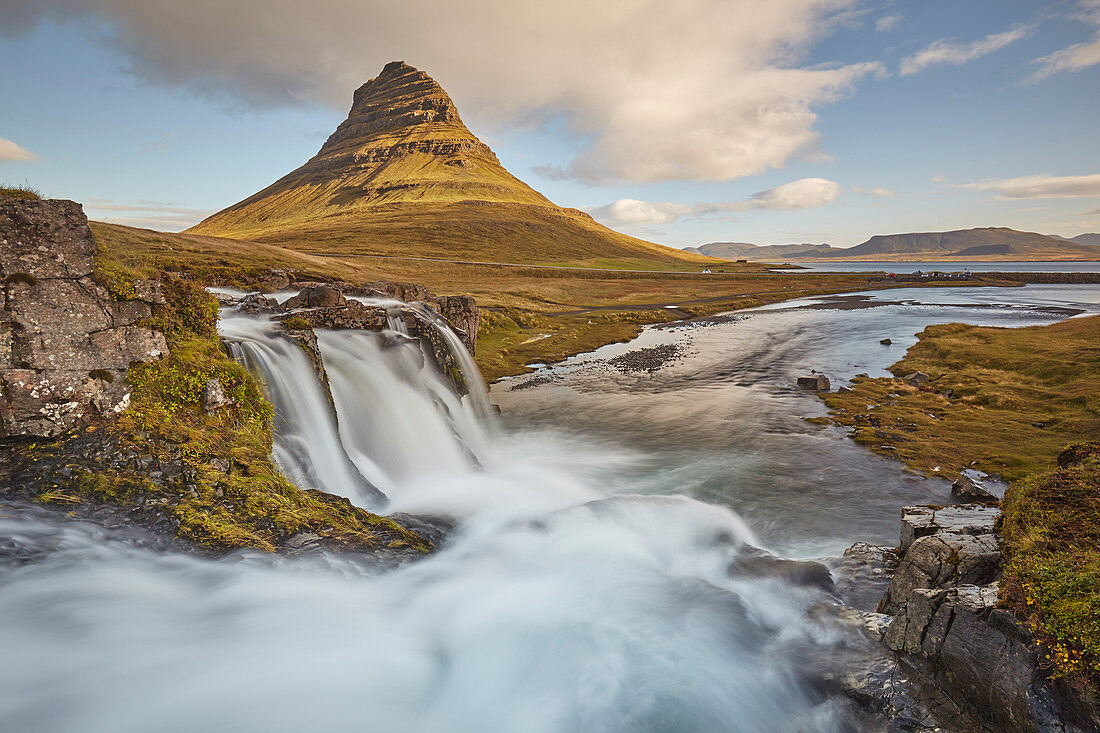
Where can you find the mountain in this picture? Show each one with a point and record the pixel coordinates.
(987, 243)
(758, 252)
(1090, 239)
(403, 176)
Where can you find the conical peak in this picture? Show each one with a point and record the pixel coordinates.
(405, 95)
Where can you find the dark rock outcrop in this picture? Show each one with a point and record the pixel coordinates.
(952, 636)
(816, 382)
(65, 343)
(941, 561)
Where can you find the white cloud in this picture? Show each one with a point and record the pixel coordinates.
(165, 216)
(877, 192)
(887, 23)
(1039, 186)
(1078, 56)
(805, 193)
(9, 151)
(650, 92)
(951, 51)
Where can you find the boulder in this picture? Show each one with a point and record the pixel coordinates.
(970, 490)
(44, 239)
(316, 296)
(258, 303)
(916, 378)
(886, 342)
(815, 382)
(922, 521)
(940, 561)
(214, 397)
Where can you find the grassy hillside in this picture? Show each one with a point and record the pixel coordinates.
(530, 314)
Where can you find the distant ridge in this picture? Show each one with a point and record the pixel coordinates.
(402, 175)
(757, 252)
(984, 244)
(1090, 239)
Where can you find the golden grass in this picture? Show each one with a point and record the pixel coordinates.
(1005, 400)
(580, 309)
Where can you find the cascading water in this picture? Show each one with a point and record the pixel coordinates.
(562, 600)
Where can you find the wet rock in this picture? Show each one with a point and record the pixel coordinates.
(214, 397)
(970, 490)
(258, 303)
(863, 575)
(350, 314)
(886, 342)
(815, 382)
(980, 655)
(752, 563)
(316, 296)
(844, 390)
(922, 521)
(941, 561)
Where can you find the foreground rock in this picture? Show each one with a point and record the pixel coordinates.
(65, 343)
(815, 382)
(962, 660)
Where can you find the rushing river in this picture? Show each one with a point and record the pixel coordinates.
(603, 574)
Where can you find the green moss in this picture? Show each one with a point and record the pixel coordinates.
(102, 374)
(295, 323)
(1051, 533)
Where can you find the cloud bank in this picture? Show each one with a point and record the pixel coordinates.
(805, 193)
(1039, 186)
(951, 51)
(11, 152)
(654, 93)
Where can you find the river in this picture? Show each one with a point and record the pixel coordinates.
(602, 575)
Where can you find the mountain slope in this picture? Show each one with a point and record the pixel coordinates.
(758, 252)
(992, 243)
(1089, 239)
(403, 176)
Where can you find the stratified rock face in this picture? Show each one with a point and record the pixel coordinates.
(65, 344)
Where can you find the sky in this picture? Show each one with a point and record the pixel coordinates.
(683, 123)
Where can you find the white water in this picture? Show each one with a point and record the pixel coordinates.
(554, 606)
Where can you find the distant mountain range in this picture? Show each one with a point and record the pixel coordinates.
(987, 243)
(1083, 238)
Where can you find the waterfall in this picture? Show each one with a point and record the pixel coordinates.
(397, 418)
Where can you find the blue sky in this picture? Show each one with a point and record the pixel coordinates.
(711, 120)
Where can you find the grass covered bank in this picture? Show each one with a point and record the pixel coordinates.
(529, 314)
(1010, 401)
